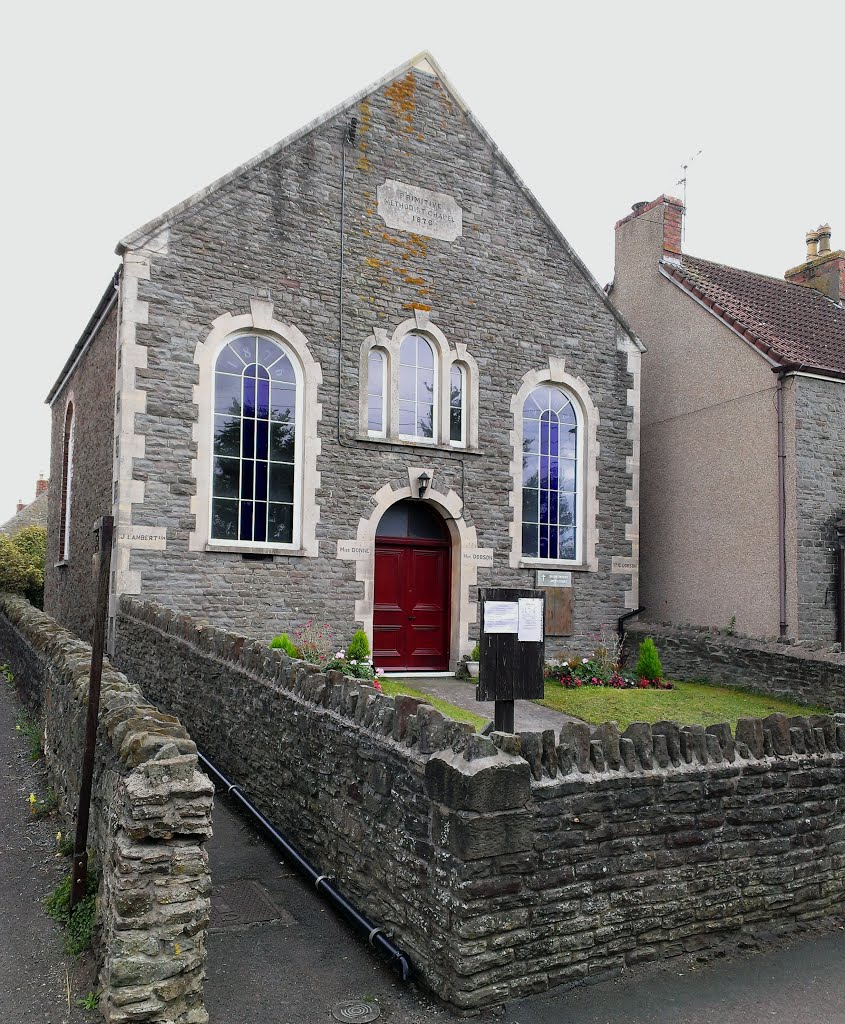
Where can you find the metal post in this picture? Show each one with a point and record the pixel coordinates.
(840, 611)
(79, 879)
(503, 715)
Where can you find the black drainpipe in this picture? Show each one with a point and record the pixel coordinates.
(375, 936)
(781, 509)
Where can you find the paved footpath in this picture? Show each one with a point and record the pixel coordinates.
(34, 972)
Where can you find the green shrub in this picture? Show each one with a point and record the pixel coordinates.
(284, 643)
(359, 647)
(80, 925)
(648, 663)
(476, 653)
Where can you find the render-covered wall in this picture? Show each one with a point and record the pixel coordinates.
(510, 864)
(270, 241)
(150, 819)
(820, 476)
(708, 484)
(68, 587)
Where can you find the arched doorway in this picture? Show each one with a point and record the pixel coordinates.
(412, 586)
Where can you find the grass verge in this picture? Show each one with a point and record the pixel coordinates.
(393, 686)
(687, 704)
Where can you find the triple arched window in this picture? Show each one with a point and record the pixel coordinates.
(552, 428)
(419, 390)
(256, 443)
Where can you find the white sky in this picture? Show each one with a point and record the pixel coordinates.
(114, 112)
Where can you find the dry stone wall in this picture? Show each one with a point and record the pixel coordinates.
(151, 818)
(508, 864)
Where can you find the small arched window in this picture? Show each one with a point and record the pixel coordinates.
(67, 482)
(255, 486)
(376, 393)
(417, 389)
(551, 428)
(457, 404)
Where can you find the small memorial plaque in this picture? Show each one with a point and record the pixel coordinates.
(623, 565)
(414, 209)
(545, 578)
(477, 556)
(354, 550)
(149, 538)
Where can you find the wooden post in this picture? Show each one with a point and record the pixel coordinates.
(79, 879)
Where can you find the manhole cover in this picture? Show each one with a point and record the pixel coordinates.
(242, 903)
(356, 1010)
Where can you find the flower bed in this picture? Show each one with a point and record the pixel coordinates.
(587, 674)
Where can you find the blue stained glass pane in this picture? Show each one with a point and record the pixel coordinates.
(248, 439)
(283, 371)
(245, 347)
(529, 541)
(531, 436)
(246, 520)
(544, 470)
(553, 542)
(544, 541)
(553, 469)
(567, 414)
(247, 473)
(268, 352)
(284, 403)
(553, 506)
(544, 434)
(263, 404)
(553, 437)
(262, 431)
(249, 396)
(260, 481)
(229, 361)
(567, 543)
(227, 397)
(544, 506)
(260, 531)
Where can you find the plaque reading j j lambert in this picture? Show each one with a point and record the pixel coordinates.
(409, 208)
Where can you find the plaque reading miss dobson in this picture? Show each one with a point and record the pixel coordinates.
(409, 208)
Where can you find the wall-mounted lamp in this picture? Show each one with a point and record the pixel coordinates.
(422, 483)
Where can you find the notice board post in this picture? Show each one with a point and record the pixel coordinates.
(513, 650)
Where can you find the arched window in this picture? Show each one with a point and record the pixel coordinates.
(67, 481)
(376, 393)
(551, 428)
(457, 404)
(255, 486)
(417, 389)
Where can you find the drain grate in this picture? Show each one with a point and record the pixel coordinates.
(356, 1010)
(244, 902)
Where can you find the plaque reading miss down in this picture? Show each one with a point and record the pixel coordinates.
(420, 211)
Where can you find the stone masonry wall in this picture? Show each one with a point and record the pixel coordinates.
(150, 820)
(820, 467)
(509, 864)
(783, 670)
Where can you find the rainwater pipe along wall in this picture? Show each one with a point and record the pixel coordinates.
(150, 820)
(508, 864)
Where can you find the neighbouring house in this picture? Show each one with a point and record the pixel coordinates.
(351, 381)
(32, 514)
(743, 432)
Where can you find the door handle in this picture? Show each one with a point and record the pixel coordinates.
(411, 618)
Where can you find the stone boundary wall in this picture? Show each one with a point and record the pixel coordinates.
(150, 820)
(508, 864)
(782, 670)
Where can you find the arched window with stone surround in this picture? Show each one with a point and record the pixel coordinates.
(377, 390)
(458, 405)
(552, 498)
(418, 389)
(67, 483)
(256, 444)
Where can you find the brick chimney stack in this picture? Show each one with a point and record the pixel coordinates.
(823, 269)
(666, 214)
(41, 485)
(20, 507)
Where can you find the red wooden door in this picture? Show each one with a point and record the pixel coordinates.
(411, 613)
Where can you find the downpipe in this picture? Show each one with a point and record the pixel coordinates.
(375, 936)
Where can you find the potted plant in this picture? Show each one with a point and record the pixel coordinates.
(472, 664)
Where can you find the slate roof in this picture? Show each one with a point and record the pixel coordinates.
(33, 514)
(794, 325)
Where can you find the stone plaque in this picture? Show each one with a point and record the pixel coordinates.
(624, 565)
(410, 208)
(149, 538)
(546, 578)
(477, 556)
(354, 550)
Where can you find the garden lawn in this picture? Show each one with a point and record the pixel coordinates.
(393, 686)
(687, 704)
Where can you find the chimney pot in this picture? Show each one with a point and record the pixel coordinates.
(812, 244)
(638, 206)
(824, 239)
(21, 506)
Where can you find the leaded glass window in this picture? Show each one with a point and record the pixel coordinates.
(550, 475)
(376, 378)
(417, 389)
(457, 404)
(254, 450)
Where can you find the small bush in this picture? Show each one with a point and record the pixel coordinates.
(648, 663)
(31, 731)
(476, 653)
(79, 926)
(359, 647)
(283, 642)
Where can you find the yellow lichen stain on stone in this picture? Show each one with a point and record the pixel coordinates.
(445, 98)
(401, 95)
(417, 305)
(412, 280)
(371, 261)
(363, 164)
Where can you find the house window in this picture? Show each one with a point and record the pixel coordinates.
(67, 481)
(417, 389)
(255, 443)
(376, 392)
(551, 435)
(457, 405)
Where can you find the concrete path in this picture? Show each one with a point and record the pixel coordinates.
(529, 717)
(34, 972)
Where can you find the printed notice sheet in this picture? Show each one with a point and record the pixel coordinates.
(530, 619)
(501, 617)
